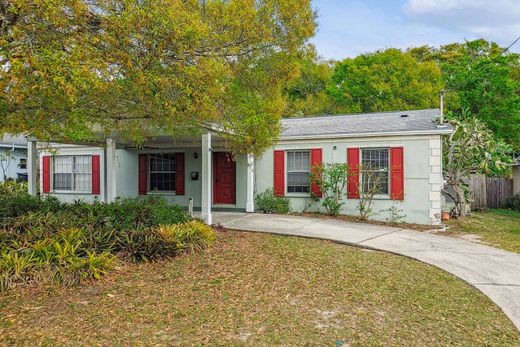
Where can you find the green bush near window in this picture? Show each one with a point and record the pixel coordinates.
(268, 202)
(45, 241)
(513, 202)
(331, 178)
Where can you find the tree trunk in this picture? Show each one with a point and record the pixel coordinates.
(461, 201)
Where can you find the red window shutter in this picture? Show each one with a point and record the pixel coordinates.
(279, 173)
(353, 173)
(316, 159)
(143, 174)
(46, 174)
(179, 173)
(397, 173)
(96, 182)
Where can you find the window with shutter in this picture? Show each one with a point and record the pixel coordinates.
(298, 171)
(72, 173)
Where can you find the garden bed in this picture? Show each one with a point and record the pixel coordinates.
(44, 241)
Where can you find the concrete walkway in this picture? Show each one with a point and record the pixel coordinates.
(494, 272)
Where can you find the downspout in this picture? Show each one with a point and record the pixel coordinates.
(442, 106)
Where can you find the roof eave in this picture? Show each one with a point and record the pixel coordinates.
(445, 131)
(10, 145)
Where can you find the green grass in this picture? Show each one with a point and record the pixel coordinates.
(261, 290)
(499, 228)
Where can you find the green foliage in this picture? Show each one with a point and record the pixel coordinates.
(385, 81)
(308, 94)
(63, 259)
(188, 237)
(481, 79)
(165, 241)
(144, 245)
(45, 241)
(268, 202)
(513, 202)
(395, 214)
(74, 64)
(471, 148)
(367, 191)
(331, 178)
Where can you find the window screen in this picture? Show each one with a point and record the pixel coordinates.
(73, 173)
(298, 167)
(162, 172)
(375, 170)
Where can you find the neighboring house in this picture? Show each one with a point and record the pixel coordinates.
(13, 158)
(404, 146)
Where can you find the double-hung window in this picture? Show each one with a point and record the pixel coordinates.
(375, 173)
(73, 173)
(298, 171)
(162, 172)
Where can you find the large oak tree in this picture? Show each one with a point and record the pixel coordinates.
(77, 69)
(385, 81)
(482, 78)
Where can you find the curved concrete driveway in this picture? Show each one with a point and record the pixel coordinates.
(494, 272)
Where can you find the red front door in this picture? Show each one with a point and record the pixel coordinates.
(224, 168)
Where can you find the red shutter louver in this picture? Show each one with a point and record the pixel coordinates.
(316, 159)
(279, 173)
(96, 181)
(143, 174)
(46, 174)
(397, 173)
(179, 173)
(353, 173)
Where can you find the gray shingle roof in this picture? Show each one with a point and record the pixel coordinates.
(366, 124)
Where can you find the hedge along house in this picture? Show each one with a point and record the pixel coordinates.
(404, 148)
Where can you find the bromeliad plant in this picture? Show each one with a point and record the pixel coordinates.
(331, 179)
(45, 241)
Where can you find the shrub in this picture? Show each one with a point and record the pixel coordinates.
(45, 241)
(331, 179)
(190, 236)
(513, 202)
(80, 269)
(165, 241)
(144, 245)
(268, 202)
(395, 214)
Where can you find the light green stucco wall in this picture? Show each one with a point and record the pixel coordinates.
(417, 173)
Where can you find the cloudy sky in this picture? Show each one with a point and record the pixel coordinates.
(350, 27)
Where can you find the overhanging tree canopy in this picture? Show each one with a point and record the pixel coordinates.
(72, 69)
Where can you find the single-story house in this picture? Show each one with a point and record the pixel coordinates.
(13, 158)
(403, 147)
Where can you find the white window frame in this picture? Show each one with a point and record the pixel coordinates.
(361, 171)
(73, 174)
(287, 193)
(149, 174)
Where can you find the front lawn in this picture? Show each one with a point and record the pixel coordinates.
(259, 289)
(499, 228)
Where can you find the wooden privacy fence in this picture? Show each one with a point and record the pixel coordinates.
(489, 192)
